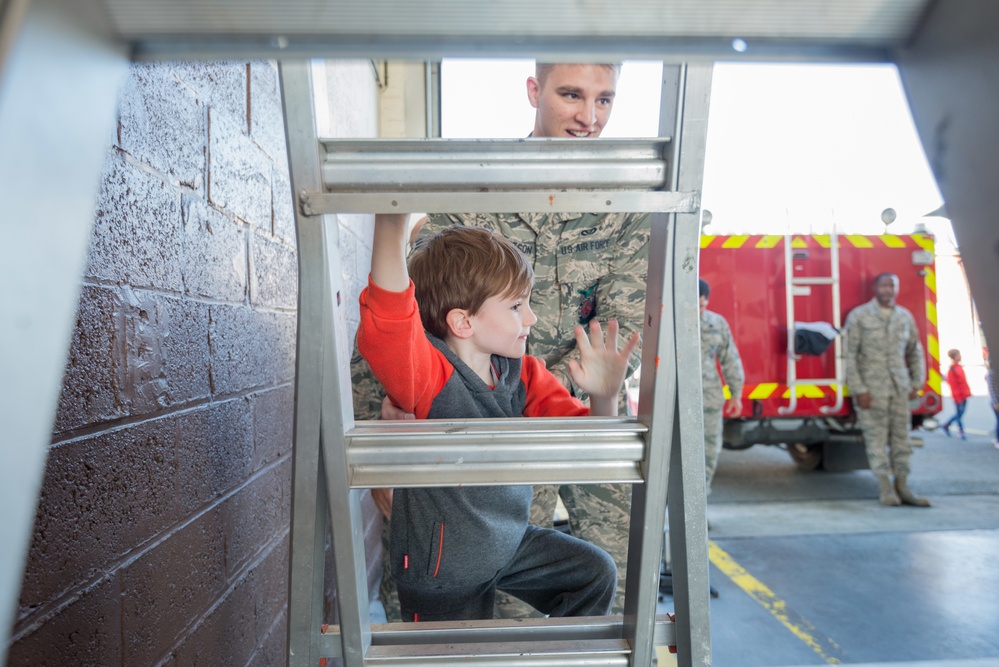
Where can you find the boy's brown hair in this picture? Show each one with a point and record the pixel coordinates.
(461, 267)
(953, 353)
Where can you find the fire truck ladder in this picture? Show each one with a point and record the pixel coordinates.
(801, 287)
(335, 459)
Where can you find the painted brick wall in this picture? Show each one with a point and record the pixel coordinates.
(162, 530)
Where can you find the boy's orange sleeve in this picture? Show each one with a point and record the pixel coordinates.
(392, 339)
(546, 396)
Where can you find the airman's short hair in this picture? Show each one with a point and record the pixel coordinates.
(542, 70)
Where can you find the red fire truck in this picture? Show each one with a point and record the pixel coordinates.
(769, 288)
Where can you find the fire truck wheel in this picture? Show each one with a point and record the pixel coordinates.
(806, 457)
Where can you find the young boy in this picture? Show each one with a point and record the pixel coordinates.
(959, 391)
(460, 354)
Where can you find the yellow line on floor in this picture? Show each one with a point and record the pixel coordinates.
(797, 624)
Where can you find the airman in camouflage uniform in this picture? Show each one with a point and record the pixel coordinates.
(884, 370)
(717, 349)
(586, 265)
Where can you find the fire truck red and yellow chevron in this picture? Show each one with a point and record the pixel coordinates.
(933, 379)
(768, 390)
(914, 241)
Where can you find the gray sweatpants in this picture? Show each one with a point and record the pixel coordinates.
(555, 573)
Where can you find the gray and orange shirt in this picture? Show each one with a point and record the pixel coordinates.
(465, 533)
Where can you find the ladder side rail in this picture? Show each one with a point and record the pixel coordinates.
(792, 367)
(655, 409)
(323, 410)
(687, 507)
(344, 502)
(307, 553)
(839, 371)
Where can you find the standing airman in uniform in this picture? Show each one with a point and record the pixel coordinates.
(717, 349)
(884, 370)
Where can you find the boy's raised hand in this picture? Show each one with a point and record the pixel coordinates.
(602, 366)
(388, 252)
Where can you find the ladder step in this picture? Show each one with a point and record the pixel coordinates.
(550, 201)
(812, 382)
(495, 451)
(535, 641)
(505, 176)
(595, 652)
(817, 280)
(463, 165)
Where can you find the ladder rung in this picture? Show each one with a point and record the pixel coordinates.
(495, 451)
(812, 382)
(463, 165)
(817, 280)
(603, 652)
(549, 201)
(538, 638)
(496, 176)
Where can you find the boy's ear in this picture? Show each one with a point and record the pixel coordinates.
(459, 323)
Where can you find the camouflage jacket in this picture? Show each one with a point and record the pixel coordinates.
(883, 352)
(585, 265)
(718, 349)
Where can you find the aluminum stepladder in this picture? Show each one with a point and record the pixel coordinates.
(335, 459)
(801, 287)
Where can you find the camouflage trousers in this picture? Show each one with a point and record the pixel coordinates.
(886, 433)
(713, 426)
(598, 513)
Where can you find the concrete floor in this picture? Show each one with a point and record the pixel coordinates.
(827, 575)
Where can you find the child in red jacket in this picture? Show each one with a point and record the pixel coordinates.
(959, 391)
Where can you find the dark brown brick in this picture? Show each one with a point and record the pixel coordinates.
(163, 125)
(283, 206)
(167, 352)
(250, 349)
(220, 85)
(214, 451)
(85, 632)
(273, 424)
(101, 498)
(137, 231)
(274, 274)
(169, 586)
(273, 650)
(92, 384)
(226, 636)
(270, 578)
(240, 173)
(254, 516)
(215, 258)
(266, 114)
